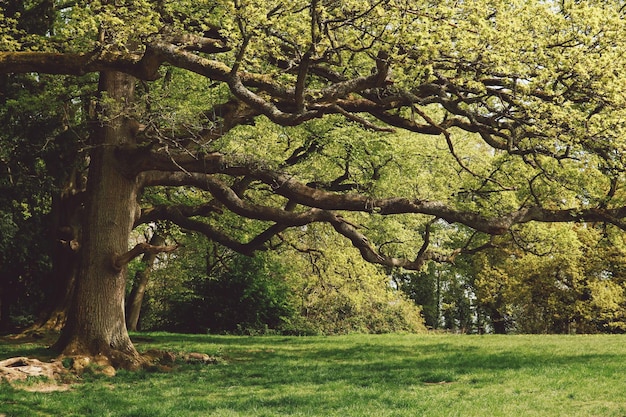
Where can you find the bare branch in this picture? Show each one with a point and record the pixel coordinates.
(200, 44)
(119, 261)
(161, 212)
(369, 253)
(267, 108)
(360, 120)
(303, 71)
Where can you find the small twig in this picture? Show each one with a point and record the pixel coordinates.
(360, 120)
(119, 261)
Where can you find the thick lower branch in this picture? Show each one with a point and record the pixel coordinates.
(217, 235)
(288, 187)
(325, 204)
(145, 68)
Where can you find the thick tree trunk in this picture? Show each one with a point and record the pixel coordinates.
(135, 298)
(95, 323)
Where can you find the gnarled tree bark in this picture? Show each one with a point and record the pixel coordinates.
(96, 324)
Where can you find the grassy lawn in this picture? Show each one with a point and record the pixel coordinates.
(356, 375)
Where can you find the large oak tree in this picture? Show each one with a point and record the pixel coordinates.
(537, 86)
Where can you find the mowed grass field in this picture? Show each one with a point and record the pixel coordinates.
(355, 375)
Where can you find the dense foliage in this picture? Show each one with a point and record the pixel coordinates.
(206, 288)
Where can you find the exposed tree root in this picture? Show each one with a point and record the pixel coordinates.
(56, 373)
(118, 354)
(38, 336)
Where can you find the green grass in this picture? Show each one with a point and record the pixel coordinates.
(357, 375)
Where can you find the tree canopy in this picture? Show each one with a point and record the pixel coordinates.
(536, 82)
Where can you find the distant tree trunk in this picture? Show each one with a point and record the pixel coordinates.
(95, 322)
(5, 308)
(4, 313)
(498, 321)
(135, 298)
(65, 228)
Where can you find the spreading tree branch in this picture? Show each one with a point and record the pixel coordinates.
(314, 198)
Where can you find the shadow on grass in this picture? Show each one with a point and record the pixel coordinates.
(362, 361)
(13, 346)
